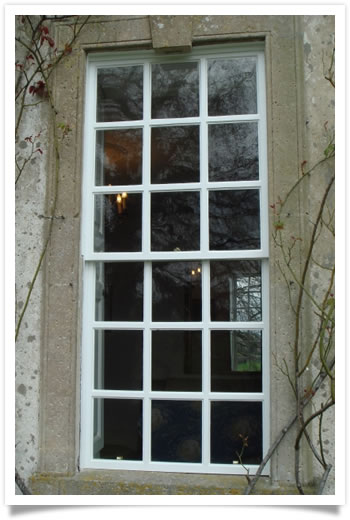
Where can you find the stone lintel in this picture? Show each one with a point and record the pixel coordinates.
(171, 33)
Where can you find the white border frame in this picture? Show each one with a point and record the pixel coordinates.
(146, 58)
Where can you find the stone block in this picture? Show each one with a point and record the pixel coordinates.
(171, 33)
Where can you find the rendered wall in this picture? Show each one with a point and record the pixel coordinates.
(299, 101)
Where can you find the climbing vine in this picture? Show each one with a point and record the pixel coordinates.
(313, 355)
(39, 58)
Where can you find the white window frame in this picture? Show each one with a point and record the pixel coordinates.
(88, 393)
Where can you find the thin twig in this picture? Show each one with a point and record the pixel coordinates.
(324, 479)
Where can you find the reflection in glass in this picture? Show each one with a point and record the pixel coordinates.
(175, 221)
(119, 157)
(232, 86)
(177, 360)
(231, 423)
(233, 152)
(176, 431)
(235, 290)
(122, 428)
(118, 359)
(120, 94)
(236, 361)
(118, 222)
(234, 219)
(176, 291)
(175, 154)
(175, 90)
(119, 291)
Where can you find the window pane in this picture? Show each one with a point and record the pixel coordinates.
(236, 361)
(177, 360)
(235, 290)
(119, 291)
(234, 219)
(118, 157)
(118, 359)
(176, 431)
(120, 94)
(118, 222)
(232, 86)
(233, 152)
(175, 154)
(175, 221)
(175, 90)
(122, 428)
(177, 291)
(231, 423)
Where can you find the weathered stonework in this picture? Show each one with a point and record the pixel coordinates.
(293, 74)
(171, 33)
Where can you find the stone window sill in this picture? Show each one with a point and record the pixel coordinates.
(102, 482)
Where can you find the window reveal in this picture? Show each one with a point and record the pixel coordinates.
(175, 331)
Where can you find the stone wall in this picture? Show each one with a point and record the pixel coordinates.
(299, 101)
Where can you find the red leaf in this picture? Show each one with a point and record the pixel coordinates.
(39, 150)
(37, 88)
(44, 29)
(30, 57)
(50, 41)
(29, 139)
(67, 49)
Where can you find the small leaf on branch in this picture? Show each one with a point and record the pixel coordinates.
(67, 49)
(50, 41)
(38, 88)
(329, 151)
(279, 225)
(302, 167)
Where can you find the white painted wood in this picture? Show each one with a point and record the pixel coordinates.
(204, 255)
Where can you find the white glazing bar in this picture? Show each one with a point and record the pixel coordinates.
(263, 163)
(147, 282)
(121, 394)
(88, 164)
(147, 361)
(177, 325)
(175, 256)
(87, 367)
(236, 325)
(266, 355)
(180, 396)
(137, 188)
(178, 121)
(183, 186)
(233, 119)
(115, 125)
(146, 160)
(204, 217)
(235, 185)
(238, 396)
(118, 325)
(206, 362)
